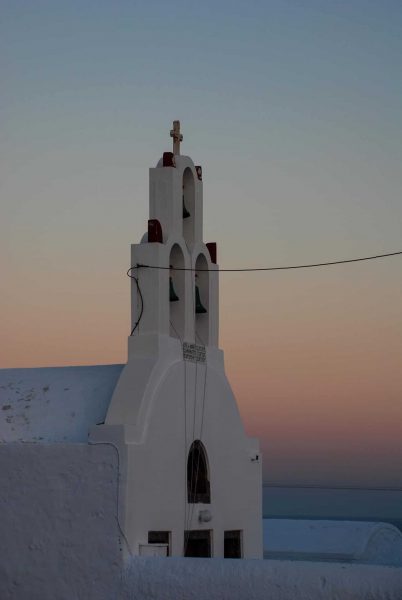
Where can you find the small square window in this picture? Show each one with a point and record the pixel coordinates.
(160, 537)
(233, 544)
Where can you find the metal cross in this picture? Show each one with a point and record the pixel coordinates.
(177, 137)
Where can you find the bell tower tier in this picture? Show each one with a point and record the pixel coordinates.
(176, 258)
(190, 478)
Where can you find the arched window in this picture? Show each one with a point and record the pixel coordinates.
(201, 298)
(176, 292)
(198, 486)
(188, 206)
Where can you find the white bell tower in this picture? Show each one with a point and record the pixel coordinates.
(190, 480)
(174, 245)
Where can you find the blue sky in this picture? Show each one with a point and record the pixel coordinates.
(305, 94)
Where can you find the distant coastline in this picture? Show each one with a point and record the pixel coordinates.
(309, 486)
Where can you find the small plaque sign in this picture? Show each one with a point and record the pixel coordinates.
(194, 352)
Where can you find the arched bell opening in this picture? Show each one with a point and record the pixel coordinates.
(188, 206)
(198, 486)
(176, 292)
(201, 301)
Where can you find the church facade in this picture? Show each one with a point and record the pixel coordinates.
(190, 479)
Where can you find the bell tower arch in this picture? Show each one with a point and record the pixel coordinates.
(201, 300)
(188, 206)
(177, 295)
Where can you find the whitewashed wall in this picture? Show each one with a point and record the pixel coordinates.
(220, 579)
(59, 536)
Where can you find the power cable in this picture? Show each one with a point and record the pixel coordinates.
(284, 268)
(185, 443)
(195, 471)
(185, 540)
(123, 535)
(141, 298)
(191, 508)
(202, 423)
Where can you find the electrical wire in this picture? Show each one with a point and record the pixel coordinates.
(193, 482)
(185, 534)
(185, 538)
(195, 471)
(284, 268)
(251, 269)
(176, 332)
(202, 424)
(123, 535)
(141, 298)
(191, 508)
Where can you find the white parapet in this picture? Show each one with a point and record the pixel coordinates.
(219, 579)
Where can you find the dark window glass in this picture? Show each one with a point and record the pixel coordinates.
(197, 544)
(198, 487)
(232, 543)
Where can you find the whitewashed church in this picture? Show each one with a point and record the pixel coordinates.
(190, 478)
(145, 459)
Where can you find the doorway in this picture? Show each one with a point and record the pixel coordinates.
(197, 544)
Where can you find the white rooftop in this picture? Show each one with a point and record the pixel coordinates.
(344, 541)
(54, 404)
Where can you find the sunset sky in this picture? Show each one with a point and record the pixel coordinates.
(294, 110)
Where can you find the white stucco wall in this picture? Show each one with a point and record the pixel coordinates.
(220, 579)
(59, 535)
(54, 404)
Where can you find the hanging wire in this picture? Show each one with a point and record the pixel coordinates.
(284, 268)
(185, 539)
(193, 481)
(185, 535)
(191, 508)
(202, 423)
(195, 471)
(141, 298)
(176, 332)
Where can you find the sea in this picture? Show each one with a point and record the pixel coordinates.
(333, 503)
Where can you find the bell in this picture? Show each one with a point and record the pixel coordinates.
(186, 214)
(173, 297)
(199, 308)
